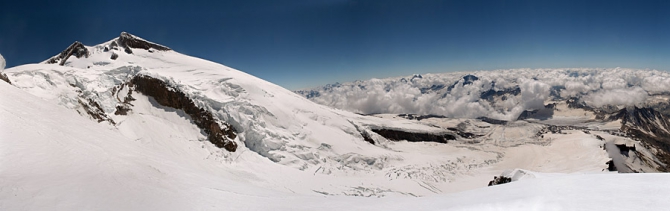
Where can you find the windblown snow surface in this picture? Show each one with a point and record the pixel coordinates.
(292, 154)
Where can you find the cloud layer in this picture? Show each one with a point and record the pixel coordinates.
(501, 94)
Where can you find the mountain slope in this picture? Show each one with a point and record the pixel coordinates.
(155, 96)
(183, 121)
(91, 166)
(90, 84)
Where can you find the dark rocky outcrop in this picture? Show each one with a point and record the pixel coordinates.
(364, 133)
(5, 78)
(308, 93)
(122, 110)
(75, 49)
(420, 117)
(124, 105)
(128, 41)
(450, 87)
(611, 166)
(490, 94)
(219, 133)
(463, 134)
(432, 88)
(94, 110)
(468, 79)
(492, 121)
(558, 129)
(646, 119)
(398, 135)
(625, 149)
(648, 126)
(367, 138)
(575, 102)
(497, 180)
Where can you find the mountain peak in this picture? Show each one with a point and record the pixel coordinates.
(125, 41)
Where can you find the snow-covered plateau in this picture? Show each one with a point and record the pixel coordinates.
(133, 125)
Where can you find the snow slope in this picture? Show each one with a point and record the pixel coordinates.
(291, 151)
(54, 159)
(277, 125)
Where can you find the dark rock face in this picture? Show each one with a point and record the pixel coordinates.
(416, 76)
(500, 180)
(5, 78)
(114, 56)
(397, 135)
(364, 133)
(611, 166)
(76, 49)
(646, 119)
(463, 134)
(648, 126)
(468, 79)
(625, 150)
(420, 117)
(121, 110)
(124, 105)
(558, 129)
(574, 102)
(432, 88)
(490, 94)
(367, 138)
(219, 133)
(94, 110)
(308, 94)
(450, 87)
(492, 121)
(128, 41)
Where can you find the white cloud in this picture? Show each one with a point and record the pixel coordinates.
(623, 97)
(534, 93)
(429, 95)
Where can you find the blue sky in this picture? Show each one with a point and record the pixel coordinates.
(300, 44)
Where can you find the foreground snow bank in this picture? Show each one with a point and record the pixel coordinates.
(607, 191)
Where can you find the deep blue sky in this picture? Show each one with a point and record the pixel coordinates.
(299, 44)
